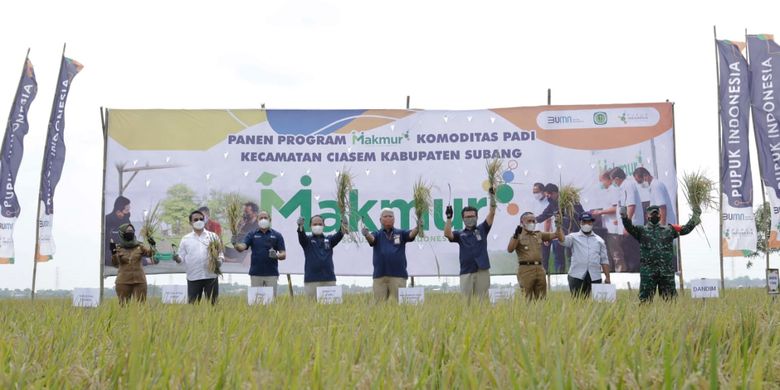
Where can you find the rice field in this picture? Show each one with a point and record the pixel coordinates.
(733, 342)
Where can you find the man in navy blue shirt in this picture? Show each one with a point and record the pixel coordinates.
(318, 254)
(267, 250)
(389, 246)
(473, 254)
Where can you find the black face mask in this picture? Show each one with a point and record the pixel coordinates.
(654, 219)
(128, 236)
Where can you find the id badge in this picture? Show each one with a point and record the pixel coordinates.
(396, 239)
(479, 236)
(327, 244)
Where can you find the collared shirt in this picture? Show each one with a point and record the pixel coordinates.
(628, 195)
(588, 253)
(194, 254)
(659, 196)
(318, 254)
(390, 252)
(609, 197)
(473, 252)
(130, 263)
(261, 243)
(529, 245)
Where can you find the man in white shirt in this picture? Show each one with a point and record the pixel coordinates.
(628, 196)
(194, 253)
(608, 197)
(588, 258)
(659, 195)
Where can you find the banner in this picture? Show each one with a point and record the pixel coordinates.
(12, 152)
(53, 159)
(739, 226)
(765, 72)
(287, 162)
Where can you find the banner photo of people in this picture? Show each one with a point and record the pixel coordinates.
(233, 165)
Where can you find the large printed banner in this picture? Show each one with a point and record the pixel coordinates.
(287, 161)
(739, 227)
(765, 100)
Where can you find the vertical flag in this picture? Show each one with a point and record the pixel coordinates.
(739, 228)
(764, 56)
(53, 159)
(11, 154)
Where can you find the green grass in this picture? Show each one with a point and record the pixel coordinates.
(558, 343)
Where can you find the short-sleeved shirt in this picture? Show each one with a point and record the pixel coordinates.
(659, 196)
(261, 243)
(318, 255)
(529, 245)
(628, 195)
(390, 252)
(473, 252)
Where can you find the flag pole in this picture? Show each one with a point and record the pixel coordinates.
(676, 204)
(104, 124)
(720, 162)
(408, 99)
(760, 167)
(40, 187)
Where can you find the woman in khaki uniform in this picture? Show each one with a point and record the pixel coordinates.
(527, 243)
(128, 256)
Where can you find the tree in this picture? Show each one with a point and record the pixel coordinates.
(177, 206)
(763, 218)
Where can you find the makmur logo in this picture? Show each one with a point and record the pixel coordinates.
(370, 139)
(302, 202)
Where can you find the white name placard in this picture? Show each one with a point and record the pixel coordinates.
(603, 292)
(705, 288)
(501, 294)
(174, 293)
(411, 295)
(260, 295)
(329, 294)
(86, 297)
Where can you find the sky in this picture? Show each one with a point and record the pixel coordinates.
(355, 54)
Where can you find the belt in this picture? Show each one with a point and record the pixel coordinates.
(529, 262)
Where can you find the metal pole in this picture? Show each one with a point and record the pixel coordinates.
(720, 163)
(407, 101)
(761, 170)
(549, 96)
(289, 284)
(104, 124)
(676, 201)
(412, 281)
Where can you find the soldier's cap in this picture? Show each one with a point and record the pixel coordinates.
(653, 209)
(586, 217)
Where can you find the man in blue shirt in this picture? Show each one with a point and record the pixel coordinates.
(389, 246)
(267, 250)
(318, 254)
(473, 254)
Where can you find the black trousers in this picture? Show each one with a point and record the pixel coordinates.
(196, 288)
(581, 287)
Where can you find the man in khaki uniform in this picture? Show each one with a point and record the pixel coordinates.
(527, 243)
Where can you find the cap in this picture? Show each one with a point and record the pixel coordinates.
(586, 217)
(653, 209)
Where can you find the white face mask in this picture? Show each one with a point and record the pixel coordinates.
(264, 223)
(199, 225)
(645, 184)
(530, 226)
(317, 229)
(586, 228)
(538, 195)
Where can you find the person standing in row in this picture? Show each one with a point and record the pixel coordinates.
(318, 269)
(472, 248)
(527, 243)
(194, 253)
(128, 256)
(389, 256)
(588, 258)
(267, 250)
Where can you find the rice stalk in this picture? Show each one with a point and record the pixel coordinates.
(151, 222)
(422, 199)
(234, 212)
(568, 199)
(494, 168)
(344, 185)
(699, 190)
(215, 248)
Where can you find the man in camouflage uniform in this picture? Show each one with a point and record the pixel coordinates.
(656, 251)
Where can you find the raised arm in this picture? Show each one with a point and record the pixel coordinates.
(695, 220)
(630, 228)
